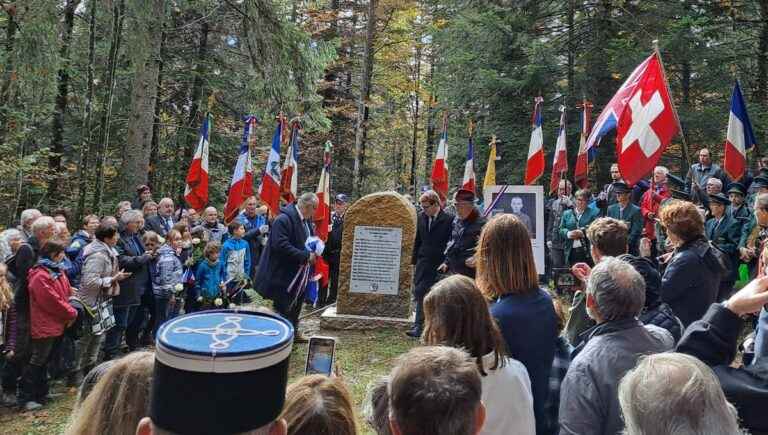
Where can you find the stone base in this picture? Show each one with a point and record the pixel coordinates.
(332, 320)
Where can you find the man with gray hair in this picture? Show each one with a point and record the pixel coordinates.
(284, 255)
(26, 219)
(435, 390)
(675, 393)
(163, 221)
(615, 295)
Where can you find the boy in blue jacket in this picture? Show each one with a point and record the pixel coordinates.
(208, 276)
(235, 257)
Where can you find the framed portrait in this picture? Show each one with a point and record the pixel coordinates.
(525, 202)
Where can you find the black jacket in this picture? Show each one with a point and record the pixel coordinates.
(134, 260)
(283, 255)
(332, 252)
(463, 243)
(691, 281)
(429, 249)
(155, 223)
(713, 340)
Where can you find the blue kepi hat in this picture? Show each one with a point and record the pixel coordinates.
(222, 372)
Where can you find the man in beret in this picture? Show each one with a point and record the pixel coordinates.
(624, 210)
(460, 254)
(724, 231)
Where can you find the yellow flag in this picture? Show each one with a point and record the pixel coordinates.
(490, 171)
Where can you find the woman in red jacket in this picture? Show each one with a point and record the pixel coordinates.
(50, 315)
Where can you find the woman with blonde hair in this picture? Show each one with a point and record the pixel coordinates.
(457, 315)
(507, 277)
(321, 405)
(118, 401)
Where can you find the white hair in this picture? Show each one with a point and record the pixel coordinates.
(308, 198)
(41, 224)
(662, 169)
(674, 393)
(761, 201)
(618, 289)
(131, 215)
(6, 238)
(715, 181)
(29, 215)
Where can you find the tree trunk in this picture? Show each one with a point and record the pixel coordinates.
(197, 92)
(143, 98)
(761, 89)
(428, 157)
(9, 70)
(571, 98)
(118, 15)
(154, 153)
(365, 92)
(85, 146)
(57, 135)
(416, 103)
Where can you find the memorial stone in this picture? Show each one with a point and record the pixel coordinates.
(375, 271)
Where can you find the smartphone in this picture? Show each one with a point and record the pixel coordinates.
(321, 355)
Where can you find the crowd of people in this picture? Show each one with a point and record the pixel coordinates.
(642, 341)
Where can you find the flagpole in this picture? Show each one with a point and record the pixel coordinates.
(686, 153)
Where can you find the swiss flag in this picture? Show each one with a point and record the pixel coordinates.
(647, 124)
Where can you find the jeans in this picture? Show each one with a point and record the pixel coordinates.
(114, 338)
(34, 380)
(87, 349)
(162, 307)
(761, 337)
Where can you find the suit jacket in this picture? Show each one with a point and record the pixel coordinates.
(130, 256)
(429, 249)
(569, 223)
(156, 223)
(283, 255)
(725, 236)
(463, 244)
(634, 220)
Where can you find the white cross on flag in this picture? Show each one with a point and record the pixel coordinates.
(646, 125)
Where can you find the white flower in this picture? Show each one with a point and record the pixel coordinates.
(161, 239)
(178, 287)
(195, 241)
(218, 302)
(232, 306)
(199, 298)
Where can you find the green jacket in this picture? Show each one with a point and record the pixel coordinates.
(634, 220)
(569, 223)
(725, 236)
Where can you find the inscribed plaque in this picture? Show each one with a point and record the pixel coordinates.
(376, 260)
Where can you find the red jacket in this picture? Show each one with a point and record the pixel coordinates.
(49, 306)
(650, 204)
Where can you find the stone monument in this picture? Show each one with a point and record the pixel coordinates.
(375, 272)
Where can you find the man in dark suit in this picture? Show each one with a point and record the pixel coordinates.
(724, 231)
(332, 252)
(460, 254)
(624, 210)
(163, 221)
(284, 255)
(433, 230)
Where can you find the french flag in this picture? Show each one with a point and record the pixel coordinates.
(290, 174)
(534, 168)
(560, 162)
(196, 188)
(323, 213)
(609, 117)
(241, 187)
(468, 182)
(439, 168)
(584, 157)
(269, 190)
(740, 139)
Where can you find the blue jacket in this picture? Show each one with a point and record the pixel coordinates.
(78, 242)
(166, 272)
(529, 325)
(234, 259)
(207, 279)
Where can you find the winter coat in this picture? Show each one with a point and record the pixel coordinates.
(256, 240)
(725, 235)
(713, 340)
(652, 199)
(159, 224)
(132, 258)
(98, 269)
(463, 243)
(207, 279)
(634, 220)
(79, 241)
(284, 254)
(166, 273)
(49, 293)
(570, 223)
(589, 402)
(692, 279)
(234, 259)
(429, 249)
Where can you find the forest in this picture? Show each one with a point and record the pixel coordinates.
(98, 96)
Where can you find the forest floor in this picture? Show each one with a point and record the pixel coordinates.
(362, 357)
